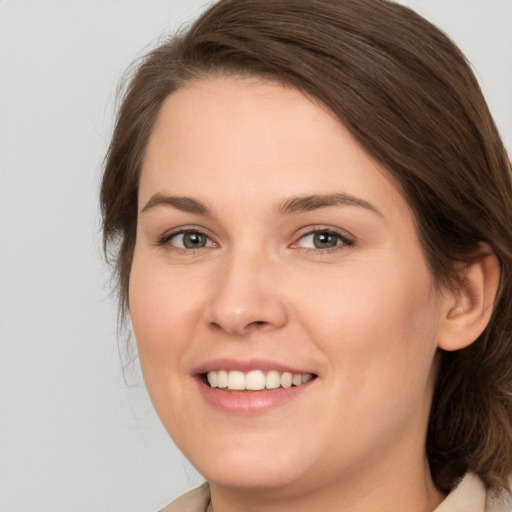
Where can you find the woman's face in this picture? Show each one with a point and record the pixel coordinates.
(273, 251)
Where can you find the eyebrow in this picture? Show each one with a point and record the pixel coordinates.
(296, 204)
(185, 204)
(308, 203)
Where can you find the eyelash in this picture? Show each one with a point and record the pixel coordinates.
(166, 238)
(343, 239)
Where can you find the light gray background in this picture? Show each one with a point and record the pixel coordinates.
(73, 435)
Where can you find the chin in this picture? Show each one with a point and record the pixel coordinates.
(250, 468)
(250, 477)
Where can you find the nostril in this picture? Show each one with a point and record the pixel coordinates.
(256, 325)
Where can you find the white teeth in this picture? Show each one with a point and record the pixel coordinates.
(236, 381)
(272, 380)
(286, 380)
(255, 380)
(212, 379)
(305, 377)
(222, 379)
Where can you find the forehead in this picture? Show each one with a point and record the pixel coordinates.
(255, 140)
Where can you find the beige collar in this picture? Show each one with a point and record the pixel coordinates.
(468, 496)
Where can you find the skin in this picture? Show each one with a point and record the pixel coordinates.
(365, 316)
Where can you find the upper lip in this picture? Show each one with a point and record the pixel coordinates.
(245, 366)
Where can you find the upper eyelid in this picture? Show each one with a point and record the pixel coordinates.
(185, 231)
(167, 235)
(346, 239)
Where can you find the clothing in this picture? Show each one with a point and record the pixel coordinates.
(468, 496)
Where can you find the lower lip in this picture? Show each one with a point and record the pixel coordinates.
(250, 402)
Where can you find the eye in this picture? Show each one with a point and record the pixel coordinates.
(189, 240)
(323, 239)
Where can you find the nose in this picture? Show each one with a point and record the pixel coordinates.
(246, 296)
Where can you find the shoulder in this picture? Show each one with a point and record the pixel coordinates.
(501, 502)
(196, 500)
(470, 496)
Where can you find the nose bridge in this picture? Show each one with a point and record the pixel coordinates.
(245, 297)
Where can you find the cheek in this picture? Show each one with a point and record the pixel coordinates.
(163, 315)
(377, 331)
(380, 322)
(162, 310)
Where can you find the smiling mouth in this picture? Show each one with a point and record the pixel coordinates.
(254, 380)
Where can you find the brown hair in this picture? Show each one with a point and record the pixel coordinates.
(407, 94)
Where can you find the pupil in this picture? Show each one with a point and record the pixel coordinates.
(193, 240)
(324, 240)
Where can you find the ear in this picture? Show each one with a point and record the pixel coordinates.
(469, 305)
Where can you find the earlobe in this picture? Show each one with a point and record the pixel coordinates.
(469, 306)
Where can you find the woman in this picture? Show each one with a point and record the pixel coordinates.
(313, 213)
